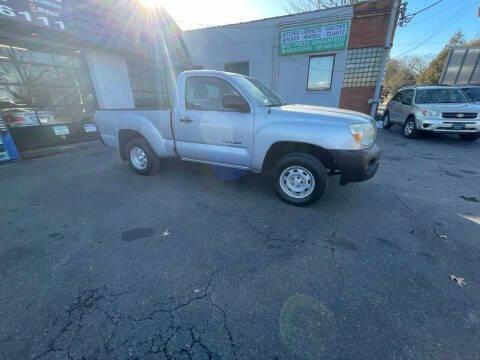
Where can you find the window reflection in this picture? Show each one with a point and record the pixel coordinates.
(40, 88)
(149, 84)
(320, 73)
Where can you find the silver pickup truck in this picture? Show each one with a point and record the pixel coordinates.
(235, 121)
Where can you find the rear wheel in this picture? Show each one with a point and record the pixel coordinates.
(386, 121)
(142, 158)
(410, 130)
(470, 137)
(299, 179)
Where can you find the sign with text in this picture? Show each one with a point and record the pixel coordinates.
(314, 38)
(47, 13)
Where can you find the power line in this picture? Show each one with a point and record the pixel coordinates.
(441, 28)
(406, 19)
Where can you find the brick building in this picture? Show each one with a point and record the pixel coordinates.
(334, 57)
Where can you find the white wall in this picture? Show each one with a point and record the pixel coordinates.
(257, 42)
(110, 80)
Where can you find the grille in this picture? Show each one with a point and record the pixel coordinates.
(460, 116)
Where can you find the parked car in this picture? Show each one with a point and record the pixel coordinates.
(235, 121)
(21, 117)
(439, 109)
(473, 93)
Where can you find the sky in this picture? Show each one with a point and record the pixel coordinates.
(425, 35)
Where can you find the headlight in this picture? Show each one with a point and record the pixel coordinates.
(363, 134)
(431, 113)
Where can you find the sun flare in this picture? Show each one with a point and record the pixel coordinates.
(150, 3)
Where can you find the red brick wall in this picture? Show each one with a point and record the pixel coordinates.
(369, 29)
(368, 32)
(356, 98)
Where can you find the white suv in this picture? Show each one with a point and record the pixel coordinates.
(440, 109)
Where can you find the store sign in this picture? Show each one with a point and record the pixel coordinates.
(47, 13)
(314, 38)
(61, 130)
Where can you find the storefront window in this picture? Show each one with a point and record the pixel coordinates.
(320, 73)
(40, 87)
(150, 85)
(242, 68)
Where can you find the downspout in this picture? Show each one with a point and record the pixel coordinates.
(388, 47)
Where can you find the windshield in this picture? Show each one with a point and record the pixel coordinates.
(263, 95)
(473, 94)
(440, 96)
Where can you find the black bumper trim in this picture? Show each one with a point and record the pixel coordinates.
(357, 165)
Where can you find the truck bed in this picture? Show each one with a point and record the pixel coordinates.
(155, 125)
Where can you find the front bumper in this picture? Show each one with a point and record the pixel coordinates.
(448, 126)
(357, 165)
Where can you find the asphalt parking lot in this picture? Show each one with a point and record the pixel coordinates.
(99, 263)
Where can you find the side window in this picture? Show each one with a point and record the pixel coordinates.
(206, 93)
(408, 97)
(398, 96)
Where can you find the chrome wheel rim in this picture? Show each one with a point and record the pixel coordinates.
(409, 127)
(139, 158)
(297, 182)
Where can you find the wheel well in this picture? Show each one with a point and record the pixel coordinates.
(283, 148)
(124, 137)
(411, 116)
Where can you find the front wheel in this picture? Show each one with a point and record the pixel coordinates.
(387, 124)
(410, 130)
(299, 179)
(142, 158)
(470, 137)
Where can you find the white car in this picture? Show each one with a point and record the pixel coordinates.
(439, 109)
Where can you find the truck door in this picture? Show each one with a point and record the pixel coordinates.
(208, 132)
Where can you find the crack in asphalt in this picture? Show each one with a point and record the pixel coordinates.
(269, 238)
(143, 335)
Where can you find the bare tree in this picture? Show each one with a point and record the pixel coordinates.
(298, 6)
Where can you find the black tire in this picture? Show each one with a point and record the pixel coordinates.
(410, 130)
(387, 124)
(152, 160)
(470, 137)
(313, 167)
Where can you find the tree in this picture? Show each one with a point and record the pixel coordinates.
(298, 6)
(416, 63)
(431, 75)
(399, 74)
(474, 42)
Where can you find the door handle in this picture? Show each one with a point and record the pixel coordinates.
(186, 120)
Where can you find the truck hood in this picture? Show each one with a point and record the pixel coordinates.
(306, 112)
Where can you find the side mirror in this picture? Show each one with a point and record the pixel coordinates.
(236, 102)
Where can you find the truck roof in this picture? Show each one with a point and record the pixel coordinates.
(209, 72)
